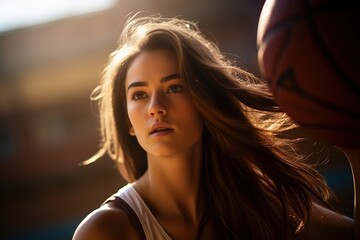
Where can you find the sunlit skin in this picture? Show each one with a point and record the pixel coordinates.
(157, 100)
(169, 128)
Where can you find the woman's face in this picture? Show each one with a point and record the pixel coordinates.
(162, 115)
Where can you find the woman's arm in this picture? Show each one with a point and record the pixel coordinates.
(327, 224)
(353, 155)
(106, 223)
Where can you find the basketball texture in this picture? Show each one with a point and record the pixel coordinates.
(309, 52)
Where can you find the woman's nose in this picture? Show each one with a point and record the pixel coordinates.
(157, 105)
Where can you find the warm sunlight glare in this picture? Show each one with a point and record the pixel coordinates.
(16, 14)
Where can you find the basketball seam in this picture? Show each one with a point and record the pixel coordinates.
(295, 88)
(325, 50)
(280, 52)
(290, 20)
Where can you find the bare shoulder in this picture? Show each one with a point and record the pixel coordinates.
(106, 223)
(327, 224)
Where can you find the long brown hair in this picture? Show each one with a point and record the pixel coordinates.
(256, 185)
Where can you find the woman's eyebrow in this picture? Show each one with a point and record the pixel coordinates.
(162, 80)
(137, 84)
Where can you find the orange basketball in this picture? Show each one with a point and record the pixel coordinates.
(309, 52)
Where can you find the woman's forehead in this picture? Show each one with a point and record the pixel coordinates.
(148, 64)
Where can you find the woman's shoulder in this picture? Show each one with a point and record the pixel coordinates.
(107, 222)
(327, 224)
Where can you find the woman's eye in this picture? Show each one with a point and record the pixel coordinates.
(138, 95)
(175, 89)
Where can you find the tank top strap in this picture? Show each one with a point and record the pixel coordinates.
(120, 203)
(151, 227)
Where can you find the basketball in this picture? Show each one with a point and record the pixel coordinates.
(309, 53)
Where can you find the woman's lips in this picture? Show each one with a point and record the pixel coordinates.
(160, 127)
(161, 131)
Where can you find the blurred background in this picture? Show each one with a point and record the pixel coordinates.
(52, 54)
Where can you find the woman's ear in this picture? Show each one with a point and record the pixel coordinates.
(131, 131)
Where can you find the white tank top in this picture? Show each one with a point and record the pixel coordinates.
(152, 228)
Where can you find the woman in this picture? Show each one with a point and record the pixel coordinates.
(203, 145)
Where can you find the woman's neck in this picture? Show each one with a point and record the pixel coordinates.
(171, 185)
